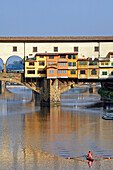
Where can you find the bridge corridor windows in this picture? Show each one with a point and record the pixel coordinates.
(14, 63)
(75, 49)
(55, 49)
(14, 48)
(35, 49)
(96, 49)
(1, 65)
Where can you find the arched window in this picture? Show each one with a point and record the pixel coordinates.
(14, 63)
(1, 65)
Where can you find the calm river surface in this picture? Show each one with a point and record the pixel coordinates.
(34, 138)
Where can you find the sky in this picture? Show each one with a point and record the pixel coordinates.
(56, 18)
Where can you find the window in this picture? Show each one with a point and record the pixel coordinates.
(74, 64)
(31, 64)
(82, 71)
(41, 56)
(62, 56)
(112, 73)
(107, 64)
(69, 64)
(104, 73)
(51, 71)
(48, 63)
(93, 72)
(41, 63)
(93, 63)
(41, 71)
(69, 56)
(55, 49)
(112, 64)
(74, 56)
(34, 49)
(14, 48)
(62, 71)
(75, 49)
(31, 72)
(82, 63)
(73, 72)
(51, 57)
(102, 64)
(62, 64)
(96, 48)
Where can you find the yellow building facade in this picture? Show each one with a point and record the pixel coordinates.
(35, 67)
(72, 65)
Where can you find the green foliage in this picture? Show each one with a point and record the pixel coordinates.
(106, 94)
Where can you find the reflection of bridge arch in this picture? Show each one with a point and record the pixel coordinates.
(1, 65)
(14, 63)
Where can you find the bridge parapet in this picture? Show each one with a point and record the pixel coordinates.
(18, 78)
(49, 89)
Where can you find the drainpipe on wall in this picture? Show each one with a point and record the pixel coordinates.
(98, 60)
(4, 69)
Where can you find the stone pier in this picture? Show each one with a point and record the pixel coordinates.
(2, 87)
(50, 89)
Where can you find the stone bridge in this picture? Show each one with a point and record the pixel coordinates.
(49, 89)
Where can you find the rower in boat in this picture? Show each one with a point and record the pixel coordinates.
(89, 156)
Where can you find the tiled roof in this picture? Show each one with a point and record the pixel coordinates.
(54, 54)
(57, 39)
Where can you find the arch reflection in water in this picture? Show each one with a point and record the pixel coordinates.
(43, 138)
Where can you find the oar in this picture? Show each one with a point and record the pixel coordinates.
(97, 156)
(75, 157)
(102, 158)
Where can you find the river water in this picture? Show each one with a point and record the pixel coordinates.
(34, 138)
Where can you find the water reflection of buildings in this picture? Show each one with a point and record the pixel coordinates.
(26, 140)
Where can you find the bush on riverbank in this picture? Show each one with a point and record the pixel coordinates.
(106, 94)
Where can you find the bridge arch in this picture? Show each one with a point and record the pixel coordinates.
(1, 65)
(14, 63)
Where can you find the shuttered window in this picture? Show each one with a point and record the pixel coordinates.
(96, 48)
(55, 49)
(75, 49)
